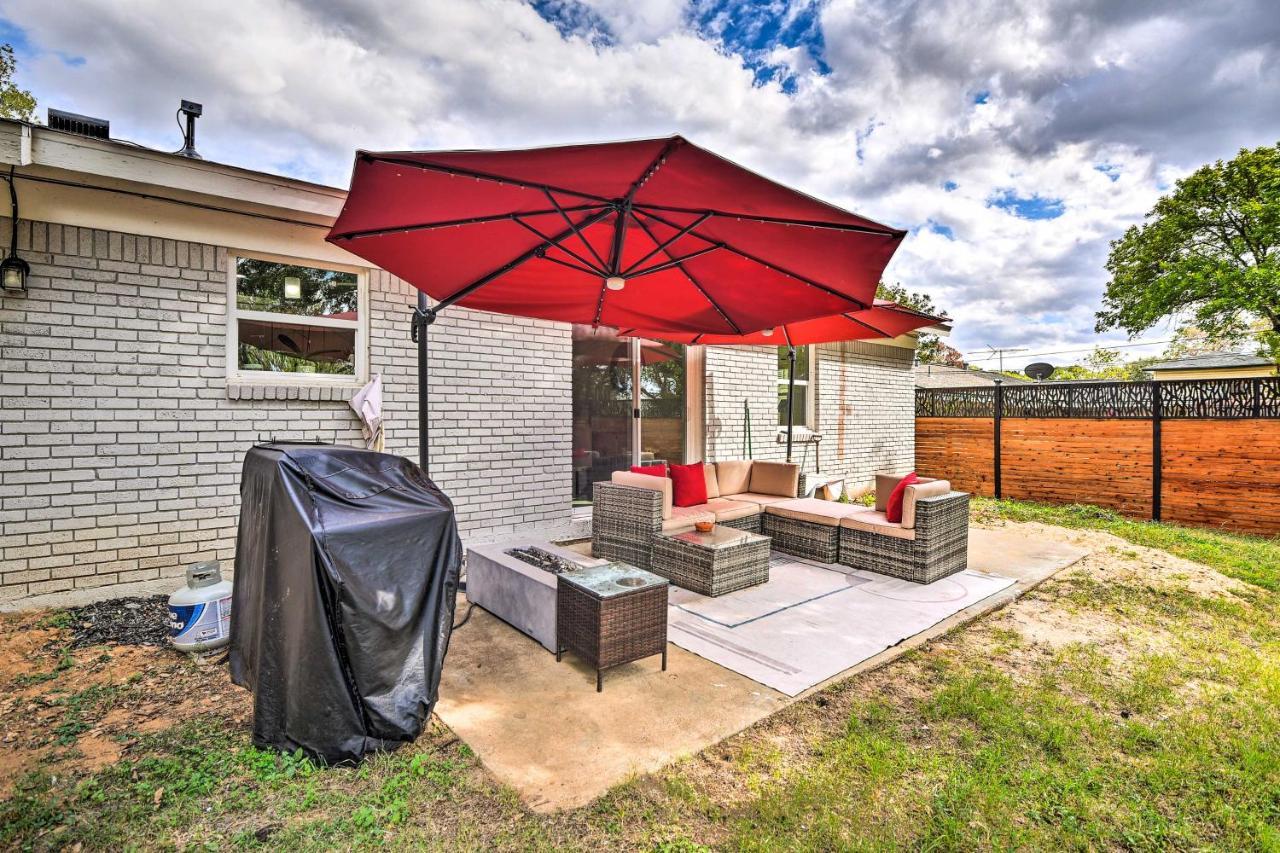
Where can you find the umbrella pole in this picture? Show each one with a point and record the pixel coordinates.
(423, 317)
(791, 395)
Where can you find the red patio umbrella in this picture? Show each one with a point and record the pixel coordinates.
(657, 234)
(885, 319)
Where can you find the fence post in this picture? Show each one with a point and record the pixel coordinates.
(999, 408)
(1157, 462)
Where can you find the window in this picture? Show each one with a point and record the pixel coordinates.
(298, 323)
(803, 412)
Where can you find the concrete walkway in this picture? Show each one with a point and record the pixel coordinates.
(541, 728)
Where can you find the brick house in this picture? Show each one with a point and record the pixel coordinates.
(154, 346)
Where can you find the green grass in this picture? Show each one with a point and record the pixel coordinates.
(1254, 559)
(1164, 735)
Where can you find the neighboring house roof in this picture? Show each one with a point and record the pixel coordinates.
(1213, 361)
(945, 376)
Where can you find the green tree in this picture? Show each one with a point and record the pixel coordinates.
(15, 103)
(1208, 252)
(931, 349)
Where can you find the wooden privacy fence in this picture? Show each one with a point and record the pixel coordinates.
(1203, 452)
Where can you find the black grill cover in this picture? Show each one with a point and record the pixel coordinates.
(346, 571)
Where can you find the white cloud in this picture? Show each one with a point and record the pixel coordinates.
(1094, 105)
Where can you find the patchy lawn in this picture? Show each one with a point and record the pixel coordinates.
(1131, 702)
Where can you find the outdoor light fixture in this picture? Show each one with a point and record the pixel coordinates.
(292, 287)
(615, 282)
(13, 269)
(13, 274)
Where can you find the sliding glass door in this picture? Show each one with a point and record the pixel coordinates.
(609, 374)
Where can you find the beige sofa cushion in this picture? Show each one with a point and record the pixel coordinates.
(775, 478)
(727, 510)
(873, 521)
(684, 517)
(713, 484)
(915, 492)
(647, 481)
(733, 477)
(813, 510)
(885, 484)
(762, 500)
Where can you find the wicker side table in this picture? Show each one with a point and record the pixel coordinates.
(611, 615)
(724, 560)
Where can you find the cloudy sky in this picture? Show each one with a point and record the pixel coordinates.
(1015, 138)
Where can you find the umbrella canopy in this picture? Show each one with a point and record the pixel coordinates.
(656, 234)
(885, 319)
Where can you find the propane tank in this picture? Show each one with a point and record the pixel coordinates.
(200, 612)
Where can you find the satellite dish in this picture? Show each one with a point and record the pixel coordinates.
(1039, 370)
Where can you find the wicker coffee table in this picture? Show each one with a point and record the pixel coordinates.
(610, 615)
(712, 563)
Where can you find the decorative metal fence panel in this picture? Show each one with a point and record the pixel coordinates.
(1198, 399)
(955, 402)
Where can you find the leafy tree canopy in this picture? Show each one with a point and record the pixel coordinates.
(1209, 251)
(15, 103)
(931, 348)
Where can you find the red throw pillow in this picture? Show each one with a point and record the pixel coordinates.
(688, 484)
(893, 510)
(659, 470)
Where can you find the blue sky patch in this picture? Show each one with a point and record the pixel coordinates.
(11, 33)
(939, 228)
(1027, 207)
(950, 186)
(754, 29)
(574, 18)
(1111, 170)
(981, 97)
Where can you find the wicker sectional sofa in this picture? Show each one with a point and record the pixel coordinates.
(630, 509)
(931, 541)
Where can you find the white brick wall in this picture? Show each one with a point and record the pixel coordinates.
(121, 443)
(865, 407)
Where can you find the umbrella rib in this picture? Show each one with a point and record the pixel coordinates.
(469, 289)
(867, 325)
(480, 176)
(569, 222)
(683, 231)
(453, 223)
(779, 220)
(652, 167)
(666, 265)
(584, 270)
(782, 270)
(737, 330)
(562, 247)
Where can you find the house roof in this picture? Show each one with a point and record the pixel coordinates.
(945, 376)
(1213, 361)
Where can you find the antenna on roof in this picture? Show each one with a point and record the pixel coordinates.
(192, 111)
(1000, 351)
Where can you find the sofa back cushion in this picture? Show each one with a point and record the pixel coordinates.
(775, 478)
(713, 483)
(915, 492)
(647, 481)
(734, 476)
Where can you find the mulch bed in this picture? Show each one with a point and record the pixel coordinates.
(130, 621)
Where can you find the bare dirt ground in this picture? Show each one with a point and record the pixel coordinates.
(63, 707)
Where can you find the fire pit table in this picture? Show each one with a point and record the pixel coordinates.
(714, 563)
(611, 615)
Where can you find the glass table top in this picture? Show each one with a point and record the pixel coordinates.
(719, 537)
(611, 579)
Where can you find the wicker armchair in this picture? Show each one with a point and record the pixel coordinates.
(624, 520)
(938, 546)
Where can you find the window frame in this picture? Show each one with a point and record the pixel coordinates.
(806, 417)
(269, 377)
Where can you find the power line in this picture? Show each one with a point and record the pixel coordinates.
(1066, 351)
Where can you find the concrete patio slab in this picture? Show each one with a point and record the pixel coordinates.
(541, 728)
